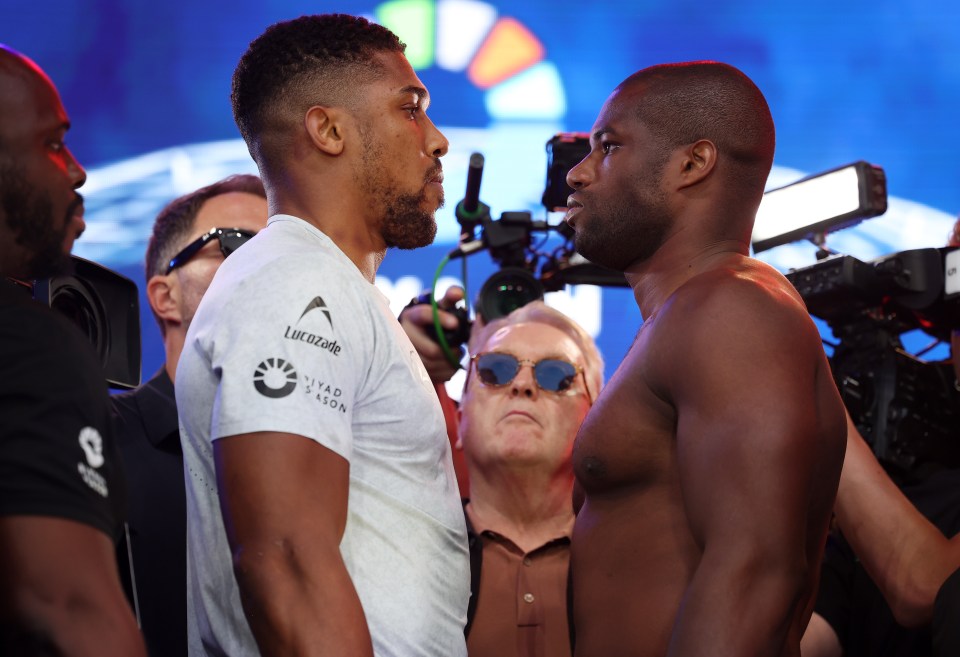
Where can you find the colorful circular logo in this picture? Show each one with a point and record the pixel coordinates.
(499, 54)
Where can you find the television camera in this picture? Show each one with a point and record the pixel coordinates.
(906, 408)
(525, 270)
(104, 306)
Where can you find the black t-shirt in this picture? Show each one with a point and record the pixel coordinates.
(57, 454)
(853, 605)
(946, 618)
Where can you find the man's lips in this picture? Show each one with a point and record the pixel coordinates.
(75, 213)
(573, 207)
(522, 414)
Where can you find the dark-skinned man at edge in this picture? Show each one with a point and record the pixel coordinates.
(61, 493)
(710, 462)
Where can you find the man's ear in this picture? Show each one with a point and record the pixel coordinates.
(325, 127)
(163, 294)
(698, 161)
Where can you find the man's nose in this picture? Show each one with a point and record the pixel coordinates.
(77, 173)
(437, 144)
(524, 383)
(580, 174)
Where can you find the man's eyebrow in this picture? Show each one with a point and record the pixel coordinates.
(419, 91)
(600, 133)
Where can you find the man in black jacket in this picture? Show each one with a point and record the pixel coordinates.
(191, 237)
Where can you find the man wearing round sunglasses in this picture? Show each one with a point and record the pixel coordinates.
(191, 237)
(297, 389)
(531, 380)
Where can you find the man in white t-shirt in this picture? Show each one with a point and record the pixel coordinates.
(323, 515)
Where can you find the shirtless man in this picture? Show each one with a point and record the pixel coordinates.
(710, 462)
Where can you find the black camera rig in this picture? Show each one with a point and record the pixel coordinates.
(526, 271)
(104, 305)
(906, 408)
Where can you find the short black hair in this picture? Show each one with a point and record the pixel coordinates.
(683, 103)
(175, 222)
(311, 60)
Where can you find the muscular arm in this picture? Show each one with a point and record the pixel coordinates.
(60, 592)
(756, 470)
(284, 504)
(904, 553)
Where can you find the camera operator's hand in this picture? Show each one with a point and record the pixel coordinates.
(417, 318)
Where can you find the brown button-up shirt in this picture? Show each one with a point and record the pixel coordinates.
(522, 602)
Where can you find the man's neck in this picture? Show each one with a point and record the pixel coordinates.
(656, 279)
(172, 346)
(530, 510)
(341, 217)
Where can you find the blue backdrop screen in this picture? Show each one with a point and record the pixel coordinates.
(147, 88)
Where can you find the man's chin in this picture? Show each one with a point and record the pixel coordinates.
(413, 239)
(593, 252)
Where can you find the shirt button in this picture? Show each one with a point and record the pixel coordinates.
(526, 561)
(528, 597)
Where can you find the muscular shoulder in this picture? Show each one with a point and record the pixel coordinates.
(735, 317)
(750, 299)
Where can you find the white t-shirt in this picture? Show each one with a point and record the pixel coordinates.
(290, 337)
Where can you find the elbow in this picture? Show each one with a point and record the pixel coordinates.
(913, 607)
(265, 574)
(911, 597)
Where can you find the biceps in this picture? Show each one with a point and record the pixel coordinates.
(746, 475)
(281, 488)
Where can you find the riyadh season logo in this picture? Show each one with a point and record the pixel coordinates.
(499, 54)
(275, 378)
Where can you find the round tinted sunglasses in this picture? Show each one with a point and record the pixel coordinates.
(496, 369)
(230, 240)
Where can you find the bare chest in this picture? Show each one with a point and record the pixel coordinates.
(628, 438)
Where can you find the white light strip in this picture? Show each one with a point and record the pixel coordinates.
(807, 203)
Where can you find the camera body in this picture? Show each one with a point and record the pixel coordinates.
(906, 408)
(104, 305)
(526, 272)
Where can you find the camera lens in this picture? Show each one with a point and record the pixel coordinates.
(73, 300)
(507, 290)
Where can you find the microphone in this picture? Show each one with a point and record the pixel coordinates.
(471, 212)
(474, 174)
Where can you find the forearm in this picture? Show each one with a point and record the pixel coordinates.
(737, 609)
(61, 593)
(299, 607)
(904, 553)
(71, 624)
